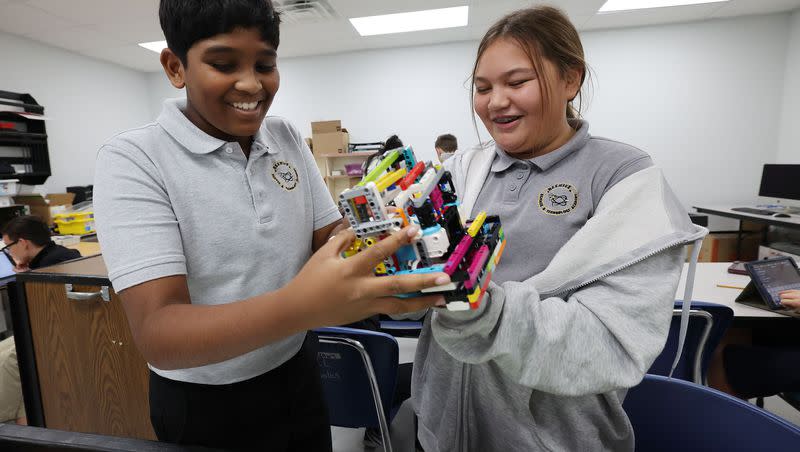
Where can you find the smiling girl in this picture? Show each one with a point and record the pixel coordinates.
(581, 303)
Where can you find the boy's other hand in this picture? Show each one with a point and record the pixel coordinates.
(337, 291)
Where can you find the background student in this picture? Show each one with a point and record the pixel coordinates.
(446, 145)
(27, 242)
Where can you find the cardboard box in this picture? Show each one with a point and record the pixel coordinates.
(46, 207)
(721, 247)
(329, 138)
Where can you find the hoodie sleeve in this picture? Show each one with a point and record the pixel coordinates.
(602, 337)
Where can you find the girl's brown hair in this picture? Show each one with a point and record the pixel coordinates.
(543, 32)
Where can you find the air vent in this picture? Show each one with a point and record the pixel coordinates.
(305, 11)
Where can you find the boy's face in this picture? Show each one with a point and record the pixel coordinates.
(230, 81)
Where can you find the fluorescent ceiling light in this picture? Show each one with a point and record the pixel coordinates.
(155, 46)
(624, 5)
(430, 19)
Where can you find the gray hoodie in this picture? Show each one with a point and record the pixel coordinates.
(545, 363)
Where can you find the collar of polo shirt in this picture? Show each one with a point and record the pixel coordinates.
(195, 140)
(503, 161)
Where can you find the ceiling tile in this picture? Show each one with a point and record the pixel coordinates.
(92, 12)
(77, 39)
(23, 20)
(132, 32)
(651, 16)
(131, 56)
(744, 7)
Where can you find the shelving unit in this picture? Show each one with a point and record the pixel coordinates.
(328, 163)
(23, 138)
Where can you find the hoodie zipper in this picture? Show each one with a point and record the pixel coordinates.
(623, 267)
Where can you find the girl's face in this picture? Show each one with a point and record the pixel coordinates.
(509, 101)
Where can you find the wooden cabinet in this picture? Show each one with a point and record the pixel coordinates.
(86, 374)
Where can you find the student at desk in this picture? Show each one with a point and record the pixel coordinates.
(771, 365)
(27, 243)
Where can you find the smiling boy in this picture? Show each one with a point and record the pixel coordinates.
(208, 219)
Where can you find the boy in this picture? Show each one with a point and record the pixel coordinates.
(206, 219)
(446, 146)
(26, 240)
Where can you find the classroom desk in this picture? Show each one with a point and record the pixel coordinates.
(86, 248)
(709, 276)
(726, 211)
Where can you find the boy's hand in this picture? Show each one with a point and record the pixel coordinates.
(337, 291)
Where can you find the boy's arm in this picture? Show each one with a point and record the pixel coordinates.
(602, 337)
(171, 333)
(142, 246)
(323, 234)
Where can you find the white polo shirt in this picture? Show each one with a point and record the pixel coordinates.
(170, 199)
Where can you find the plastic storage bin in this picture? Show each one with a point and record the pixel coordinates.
(75, 223)
(9, 187)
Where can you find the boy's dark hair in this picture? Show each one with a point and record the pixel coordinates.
(393, 142)
(447, 143)
(184, 22)
(28, 227)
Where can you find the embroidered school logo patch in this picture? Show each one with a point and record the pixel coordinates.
(285, 175)
(558, 199)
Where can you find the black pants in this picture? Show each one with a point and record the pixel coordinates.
(770, 366)
(281, 410)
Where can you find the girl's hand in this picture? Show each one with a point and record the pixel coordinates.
(790, 298)
(336, 291)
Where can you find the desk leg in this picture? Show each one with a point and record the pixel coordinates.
(26, 359)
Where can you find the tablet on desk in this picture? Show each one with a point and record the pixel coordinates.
(768, 278)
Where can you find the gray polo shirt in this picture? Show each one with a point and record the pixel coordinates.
(170, 199)
(542, 202)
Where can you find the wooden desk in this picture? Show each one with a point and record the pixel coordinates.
(79, 368)
(86, 248)
(708, 277)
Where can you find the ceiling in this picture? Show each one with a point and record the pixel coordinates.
(110, 29)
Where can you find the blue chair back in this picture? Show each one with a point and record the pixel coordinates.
(345, 376)
(693, 356)
(676, 415)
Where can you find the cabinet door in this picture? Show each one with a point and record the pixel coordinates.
(91, 376)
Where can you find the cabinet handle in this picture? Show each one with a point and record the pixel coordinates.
(86, 296)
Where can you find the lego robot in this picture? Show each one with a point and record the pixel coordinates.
(401, 191)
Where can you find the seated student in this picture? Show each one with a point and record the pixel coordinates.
(215, 224)
(26, 241)
(446, 146)
(768, 366)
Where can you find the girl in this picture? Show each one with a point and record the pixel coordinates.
(581, 302)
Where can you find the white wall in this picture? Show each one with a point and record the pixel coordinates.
(789, 140)
(87, 100)
(418, 93)
(702, 98)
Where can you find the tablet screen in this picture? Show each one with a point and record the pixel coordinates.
(773, 276)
